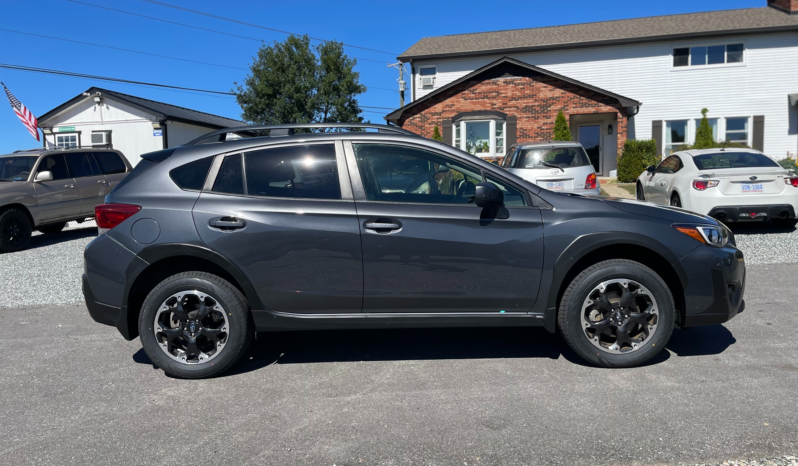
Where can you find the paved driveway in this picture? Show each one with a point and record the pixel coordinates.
(74, 392)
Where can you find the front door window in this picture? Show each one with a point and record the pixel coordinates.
(590, 138)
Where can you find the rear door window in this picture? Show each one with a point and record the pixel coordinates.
(306, 171)
(110, 162)
(230, 179)
(56, 165)
(79, 164)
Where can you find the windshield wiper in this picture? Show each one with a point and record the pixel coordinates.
(549, 164)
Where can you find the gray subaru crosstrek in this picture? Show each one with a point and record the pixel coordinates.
(205, 244)
(43, 189)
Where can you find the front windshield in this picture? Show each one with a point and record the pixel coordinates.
(562, 157)
(16, 168)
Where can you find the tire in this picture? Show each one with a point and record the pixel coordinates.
(639, 194)
(676, 201)
(15, 230)
(576, 329)
(228, 316)
(51, 228)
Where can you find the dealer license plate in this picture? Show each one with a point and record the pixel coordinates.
(752, 188)
(555, 185)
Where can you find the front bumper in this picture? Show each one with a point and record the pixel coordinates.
(717, 296)
(752, 213)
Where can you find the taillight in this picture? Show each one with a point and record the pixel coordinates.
(590, 182)
(111, 215)
(793, 181)
(703, 185)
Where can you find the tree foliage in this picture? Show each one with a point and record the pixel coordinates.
(292, 82)
(703, 135)
(561, 130)
(436, 134)
(637, 155)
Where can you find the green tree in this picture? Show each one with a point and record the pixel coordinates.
(703, 135)
(561, 130)
(292, 82)
(436, 134)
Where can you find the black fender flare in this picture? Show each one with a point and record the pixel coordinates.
(158, 252)
(584, 245)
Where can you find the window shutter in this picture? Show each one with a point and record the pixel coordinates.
(656, 135)
(759, 133)
(446, 132)
(512, 131)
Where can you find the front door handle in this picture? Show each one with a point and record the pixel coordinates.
(69, 186)
(662, 183)
(227, 223)
(102, 182)
(383, 225)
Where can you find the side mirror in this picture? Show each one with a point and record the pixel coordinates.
(651, 169)
(44, 176)
(488, 195)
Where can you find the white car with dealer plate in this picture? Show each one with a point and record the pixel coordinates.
(731, 185)
(556, 166)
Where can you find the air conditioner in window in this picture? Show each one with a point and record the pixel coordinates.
(100, 139)
(427, 80)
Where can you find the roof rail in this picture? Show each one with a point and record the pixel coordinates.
(38, 149)
(221, 135)
(43, 149)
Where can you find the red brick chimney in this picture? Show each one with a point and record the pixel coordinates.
(787, 6)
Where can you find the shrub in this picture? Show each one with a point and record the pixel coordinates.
(561, 130)
(436, 134)
(703, 135)
(789, 163)
(636, 156)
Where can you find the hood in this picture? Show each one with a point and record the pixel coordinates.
(672, 214)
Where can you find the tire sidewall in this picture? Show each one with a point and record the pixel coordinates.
(639, 194)
(652, 346)
(27, 230)
(237, 317)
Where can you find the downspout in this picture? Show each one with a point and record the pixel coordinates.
(413, 77)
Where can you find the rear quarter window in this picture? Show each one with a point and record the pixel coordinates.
(191, 176)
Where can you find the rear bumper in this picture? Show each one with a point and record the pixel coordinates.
(752, 213)
(717, 296)
(102, 313)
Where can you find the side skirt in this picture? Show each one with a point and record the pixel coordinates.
(271, 321)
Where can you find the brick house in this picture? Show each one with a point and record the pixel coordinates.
(488, 90)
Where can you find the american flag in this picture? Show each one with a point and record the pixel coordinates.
(23, 113)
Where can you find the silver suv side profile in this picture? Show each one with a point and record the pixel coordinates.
(556, 166)
(43, 189)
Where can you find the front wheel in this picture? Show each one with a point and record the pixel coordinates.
(195, 325)
(617, 313)
(641, 196)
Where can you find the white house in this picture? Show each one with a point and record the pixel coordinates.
(133, 125)
(645, 78)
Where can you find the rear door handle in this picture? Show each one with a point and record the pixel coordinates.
(69, 186)
(227, 223)
(382, 225)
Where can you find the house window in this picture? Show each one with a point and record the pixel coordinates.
(737, 130)
(675, 135)
(428, 76)
(483, 138)
(713, 123)
(66, 140)
(708, 55)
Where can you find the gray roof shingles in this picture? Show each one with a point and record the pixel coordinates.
(752, 20)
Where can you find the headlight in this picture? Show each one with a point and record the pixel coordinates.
(712, 235)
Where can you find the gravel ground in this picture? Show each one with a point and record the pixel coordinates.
(782, 461)
(765, 244)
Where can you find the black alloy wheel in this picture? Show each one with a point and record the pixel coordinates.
(639, 194)
(676, 201)
(15, 230)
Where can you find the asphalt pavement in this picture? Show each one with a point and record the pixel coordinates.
(74, 392)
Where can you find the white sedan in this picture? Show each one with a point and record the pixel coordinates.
(730, 185)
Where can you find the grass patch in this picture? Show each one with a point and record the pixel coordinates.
(628, 187)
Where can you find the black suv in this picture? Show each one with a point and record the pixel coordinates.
(271, 229)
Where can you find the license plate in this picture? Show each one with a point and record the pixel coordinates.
(555, 185)
(752, 188)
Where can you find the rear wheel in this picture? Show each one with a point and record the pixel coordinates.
(676, 201)
(195, 325)
(641, 196)
(617, 313)
(15, 230)
(52, 228)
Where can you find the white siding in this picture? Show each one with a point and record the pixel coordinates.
(645, 73)
(181, 133)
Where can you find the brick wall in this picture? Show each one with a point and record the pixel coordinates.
(535, 99)
(786, 5)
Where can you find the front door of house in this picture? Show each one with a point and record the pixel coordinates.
(590, 138)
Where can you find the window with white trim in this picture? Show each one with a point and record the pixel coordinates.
(737, 130)
(675, 135)
(427, 75)
(66, 140)
(483, 138)
(707, 55)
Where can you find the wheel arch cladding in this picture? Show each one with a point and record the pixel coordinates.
(164, 260)
(594, 248)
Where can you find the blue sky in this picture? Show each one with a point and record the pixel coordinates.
(386, 26)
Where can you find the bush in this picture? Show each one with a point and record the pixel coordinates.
(789, 163)
(561, 130)
(637, 155)
(436, 134)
